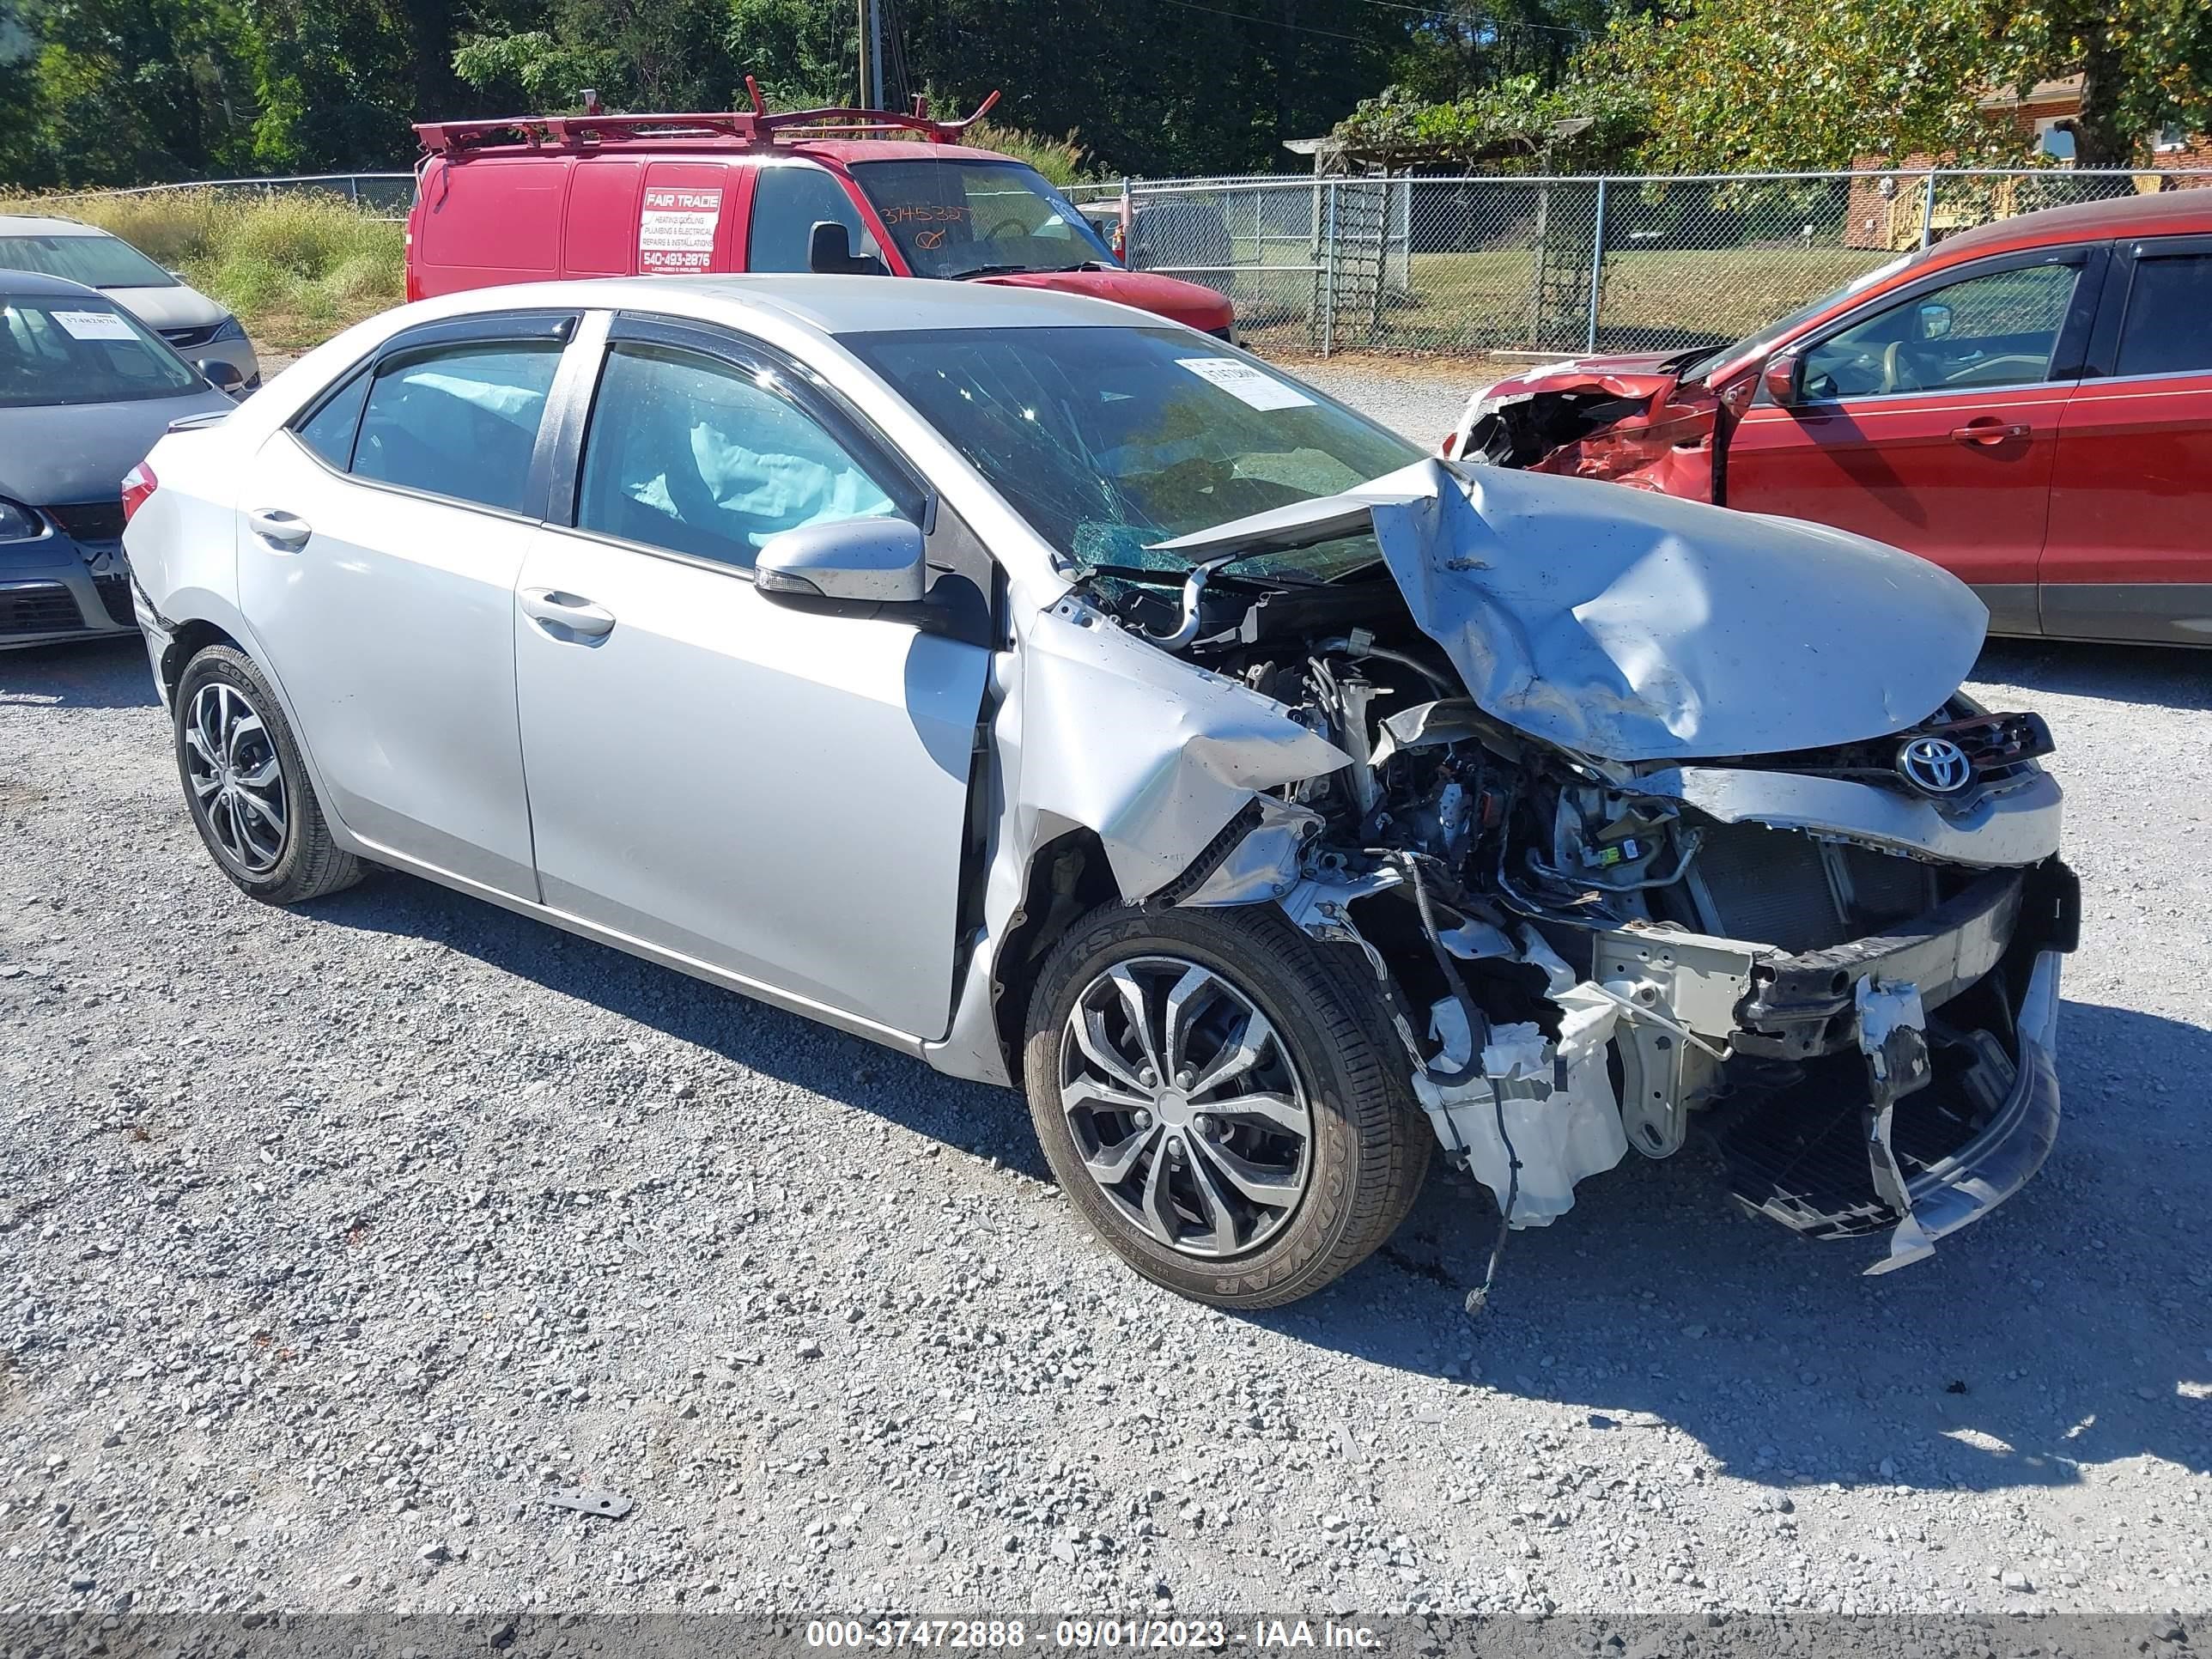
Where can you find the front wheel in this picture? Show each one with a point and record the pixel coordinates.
(246, 785)
(1223, 1101)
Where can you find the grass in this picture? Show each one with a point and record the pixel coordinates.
(1662, 295)
(295, 267)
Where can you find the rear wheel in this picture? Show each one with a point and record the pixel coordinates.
(247, 790)
(1222, 1100)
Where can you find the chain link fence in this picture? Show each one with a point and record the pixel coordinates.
(1506, 266)
(380, 195)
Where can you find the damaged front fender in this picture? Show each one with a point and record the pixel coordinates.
(1155, 755)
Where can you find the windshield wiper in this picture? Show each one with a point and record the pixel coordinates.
(993, 270)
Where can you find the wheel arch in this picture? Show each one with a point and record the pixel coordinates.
(1068, 877)
(211, 622)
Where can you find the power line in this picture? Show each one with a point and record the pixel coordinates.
(1501, 25)
(1504, 25)
(1272, 22)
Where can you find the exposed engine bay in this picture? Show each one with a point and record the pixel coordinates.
(1826, 963)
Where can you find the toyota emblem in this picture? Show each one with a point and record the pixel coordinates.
(1935, 766)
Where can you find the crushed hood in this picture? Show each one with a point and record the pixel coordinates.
(1641, 375)
(1634, 627)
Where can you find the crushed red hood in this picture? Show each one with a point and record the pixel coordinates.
(1163, 296)
(1627, 419)
(1631, 375)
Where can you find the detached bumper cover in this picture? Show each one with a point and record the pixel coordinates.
(2005, 1155)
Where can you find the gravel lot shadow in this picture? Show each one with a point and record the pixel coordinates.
(109, 674)
(2160, 676)
(764, 1040)
(2069, 1328)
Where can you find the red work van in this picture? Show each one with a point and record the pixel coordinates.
(539, 197)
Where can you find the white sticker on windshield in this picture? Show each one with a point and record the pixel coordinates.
(94, 325)
(1246, 382)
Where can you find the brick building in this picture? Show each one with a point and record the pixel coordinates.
(1887, 206)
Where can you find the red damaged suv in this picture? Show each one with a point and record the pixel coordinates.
(2028, 403)
(540, 197)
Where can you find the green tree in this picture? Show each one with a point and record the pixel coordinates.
(636, 54)
(1806, 83)
(126, 90)
(2144, 63)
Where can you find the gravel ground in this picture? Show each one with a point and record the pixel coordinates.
(329, 1240)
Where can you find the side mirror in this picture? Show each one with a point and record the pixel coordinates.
(829, 253)
(222, 376)
(1935, 320)
(1779, 377)
(866, 561)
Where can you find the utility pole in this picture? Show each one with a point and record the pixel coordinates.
(872, 53)
(863, 100)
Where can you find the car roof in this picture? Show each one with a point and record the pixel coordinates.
(2168, 213)
(37, 285)
(849, 150)
(29, 224)
(721, 147)
(827, 305)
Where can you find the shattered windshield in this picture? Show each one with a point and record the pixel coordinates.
(1108, 440)
(960, 218)
(1758, 345)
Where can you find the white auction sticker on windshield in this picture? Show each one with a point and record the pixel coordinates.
(676, 231)
(1247, 383)
(93, 325)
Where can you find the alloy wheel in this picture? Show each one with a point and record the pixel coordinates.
(1185, 1106)
(236, 778)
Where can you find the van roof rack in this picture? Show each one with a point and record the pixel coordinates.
(748, 127)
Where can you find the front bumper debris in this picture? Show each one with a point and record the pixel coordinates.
(1918, 1083)
(2005, 1155)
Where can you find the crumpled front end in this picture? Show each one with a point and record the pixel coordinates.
(1625, 420)
(1642, 841)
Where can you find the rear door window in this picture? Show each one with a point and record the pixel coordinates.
(2169, 327)
(329, 430)
(460, 421)
(788, 202)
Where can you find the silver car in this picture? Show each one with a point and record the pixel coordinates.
(1065, 699)
(197, 327)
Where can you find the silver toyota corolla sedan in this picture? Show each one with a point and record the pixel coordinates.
(1062, 697)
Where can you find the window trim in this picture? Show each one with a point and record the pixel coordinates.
(2069, 352)
(2127, 259)
(529, 327)
(871, 225)
(813, 398)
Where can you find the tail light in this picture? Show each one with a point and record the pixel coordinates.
(139, 484)
(1450, 443)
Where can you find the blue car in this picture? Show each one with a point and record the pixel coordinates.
(85, 390)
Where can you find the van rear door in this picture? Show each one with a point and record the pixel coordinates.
(687, 218)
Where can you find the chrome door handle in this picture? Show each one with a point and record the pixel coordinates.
(1986, 433)
(286, 532)
(569, 613)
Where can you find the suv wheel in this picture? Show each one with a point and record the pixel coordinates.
(249, 793)
(1223, 1101)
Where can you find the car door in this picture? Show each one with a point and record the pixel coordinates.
(780, 793)
(1929, 420)
(2129, 553)
(380, 536)
(789, 198)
